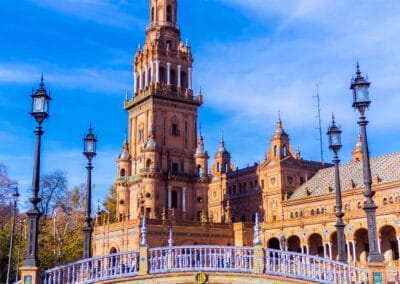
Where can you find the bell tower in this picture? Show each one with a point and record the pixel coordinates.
(162, 119)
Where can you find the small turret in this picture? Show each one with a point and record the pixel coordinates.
(124, 163)
(279, 142)
(357, 150)
(201, 157)
(222, 162)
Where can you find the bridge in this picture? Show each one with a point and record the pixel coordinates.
(205, 264)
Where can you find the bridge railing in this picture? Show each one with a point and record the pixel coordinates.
(307, 267)
(204, 258)
(94, 269)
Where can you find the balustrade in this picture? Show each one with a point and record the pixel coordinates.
(206, 258)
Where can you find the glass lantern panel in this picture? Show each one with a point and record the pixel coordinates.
(38, 104)
(90, 146)
(362, 94)
(335, 139)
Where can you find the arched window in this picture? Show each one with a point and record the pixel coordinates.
(296, 214)
(183, 80)
(284, 151)
(359, 205)
(312, 212)
(318, 211)
(122, 173)
(226, 167)
(391, 200)
(385, 201)
(169, 17)
(275, 151)
(218, 167)
(291, 215)
(162, 75)
(199, 171)
(148, 163)
(174, 199)
(173, 78)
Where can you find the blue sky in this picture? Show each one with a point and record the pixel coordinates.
(253, 58)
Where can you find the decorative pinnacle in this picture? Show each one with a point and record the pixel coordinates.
(90, 127)
(256, 240)
(41, 81)
(170, 239)
(333, 119)
(143, 230)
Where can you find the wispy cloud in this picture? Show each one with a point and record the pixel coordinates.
(106, 80)
(113, 13)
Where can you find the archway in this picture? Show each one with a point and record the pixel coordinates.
(315, 246)
(362, 245)
(293, 244)
(334, 246)
(273, 243)
(389, 245)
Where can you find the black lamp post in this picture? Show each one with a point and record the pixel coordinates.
(335, 144)
(40, 111)
(14, 209)
(21, 225)
(89, 151)
(361, 102)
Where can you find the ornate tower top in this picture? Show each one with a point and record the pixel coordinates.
(357, 150)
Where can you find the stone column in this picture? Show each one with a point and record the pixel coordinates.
(146, 76)
(354, 251)
(184, 198)
(151, 72)
(169, 197)
(189, 78)
(179, 76)
(348, 243)
(134, 83)
(168, 73)
(157, 71)
(140, 80)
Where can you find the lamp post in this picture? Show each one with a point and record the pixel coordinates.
(361, 102)
(40, 111)
(14, 209)
(89, 150)
(335, 143)
(21, 225)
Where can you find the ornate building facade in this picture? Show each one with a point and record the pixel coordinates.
(163, 173)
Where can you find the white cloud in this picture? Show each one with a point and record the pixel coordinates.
(99, 11)
(90, 79)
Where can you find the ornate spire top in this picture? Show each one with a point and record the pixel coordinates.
(279, 132)
(256, 239)
(279, 122)
(143, 230)
(358, 72)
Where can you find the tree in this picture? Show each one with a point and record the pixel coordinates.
(110, 203)
(53, 191)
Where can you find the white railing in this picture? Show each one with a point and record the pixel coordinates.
(205, 258)
(94, 269)
(307, 267)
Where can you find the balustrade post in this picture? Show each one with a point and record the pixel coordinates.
(143, 250)
(258, 254)
(376, 272)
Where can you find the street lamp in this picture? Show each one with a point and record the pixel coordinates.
(361, 102)
(14, 209)
(335, 144)
(21, 225)
(40, 111)
(89, 150)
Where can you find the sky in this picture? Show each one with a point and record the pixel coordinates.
(253, 59)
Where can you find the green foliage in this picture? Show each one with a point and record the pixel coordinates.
(110, 203)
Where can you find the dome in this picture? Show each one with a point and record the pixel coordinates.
(124, 154)
(222, 150)
(279, 132)
(150, 143)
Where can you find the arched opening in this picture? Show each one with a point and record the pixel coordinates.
(274, 243)
(218, 167)
(183, 80)
(152, 14)
(315, 246)
(362, 245)
(162, 74)
(275, 151)
(199, 170)
(169, 16)
(122, 173)
(173, 79)
(389, 245)
(174, 199)
(226, 167)
(293, 244)
(148, 163)
(334, 244)
(284, 151)
(113, 250)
